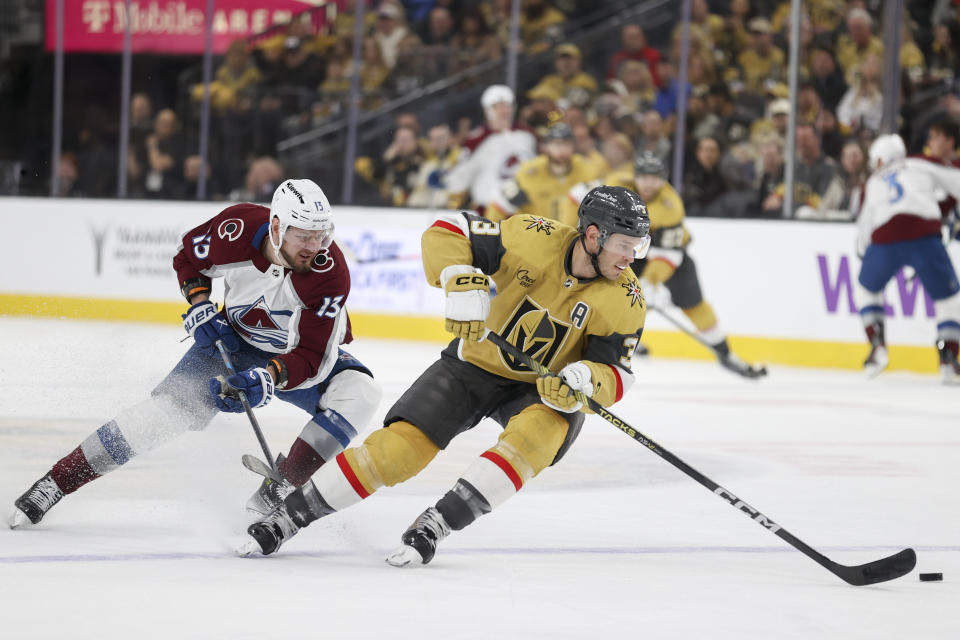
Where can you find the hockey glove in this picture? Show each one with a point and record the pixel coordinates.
(206, 326)
(557, 391)
(256, 383)
(468, 301)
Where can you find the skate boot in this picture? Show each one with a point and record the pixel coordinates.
(949, 366)
(270, 495)
(269, 532)
(877, 361)
(35, 503)
(421, 539)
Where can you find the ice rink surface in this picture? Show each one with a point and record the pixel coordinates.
(611, 543)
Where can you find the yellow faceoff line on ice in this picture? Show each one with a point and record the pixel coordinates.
(668, 344)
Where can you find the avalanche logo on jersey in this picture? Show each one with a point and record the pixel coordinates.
(230, 229)
(260, 325)
(535, 333)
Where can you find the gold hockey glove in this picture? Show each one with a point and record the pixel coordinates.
(468, 301)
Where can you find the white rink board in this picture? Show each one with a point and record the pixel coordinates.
(768, 279)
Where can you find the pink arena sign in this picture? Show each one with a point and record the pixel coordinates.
(167, 26)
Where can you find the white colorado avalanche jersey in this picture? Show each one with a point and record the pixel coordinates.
(489, 159)
(301, 316)
(900, 200)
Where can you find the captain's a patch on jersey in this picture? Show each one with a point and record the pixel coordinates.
(540, 224)
(633, 292)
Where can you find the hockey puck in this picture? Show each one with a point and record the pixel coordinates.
(931, 577)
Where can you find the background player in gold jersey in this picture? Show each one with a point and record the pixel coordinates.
(566, 297)
(540, 185)
(669, 264)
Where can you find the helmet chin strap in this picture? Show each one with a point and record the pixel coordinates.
(593, 256)
(278, 256)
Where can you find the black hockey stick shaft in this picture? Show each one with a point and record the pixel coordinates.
(228, 361)
(888, 568)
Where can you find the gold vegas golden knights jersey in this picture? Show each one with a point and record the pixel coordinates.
(666, 210)
(551, 315)
(535, 190)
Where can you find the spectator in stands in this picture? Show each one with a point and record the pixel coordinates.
(263, 177)
(234, 81)
(775, 124)
(617, 153)
(808, 102)
(192, 166)
(770, 192)
(540, 24)
(842, 198)
(637, 82)
(826, 76)
(438, 28)
(702, 181)
(374, 72)
(942, 138)
(401, 163)
(586, 145)
(68, 186)
(859, 42)
(944, 57)
(832, 138)
(813, 171)
(391, 31)
(429, 190)
(289, 85)
(634, 47)
(165, 153)
(734, 38)
(474, 42)
(669, 91)
(141, 117)
(762, 61)
(911, 57)
(569, 83)
(653, 137)
(704, 26)
(731, 122)
(862, 105)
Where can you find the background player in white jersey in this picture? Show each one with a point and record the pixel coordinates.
(284, 318)
(899, 225)
(493, 153)
(566, 297)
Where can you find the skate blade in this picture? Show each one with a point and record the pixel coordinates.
(249, 549)
(17, 519)
(404, 556)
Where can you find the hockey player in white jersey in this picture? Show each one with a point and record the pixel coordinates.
(493, 153)
(284, 318)
(899, 225)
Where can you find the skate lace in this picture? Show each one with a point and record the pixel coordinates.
(45, 494)
(432, 522)
(279, 520)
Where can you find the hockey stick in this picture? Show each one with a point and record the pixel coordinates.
(246, 407)
(889, 568)
(751, 371)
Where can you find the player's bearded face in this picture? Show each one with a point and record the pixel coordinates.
(300, 247)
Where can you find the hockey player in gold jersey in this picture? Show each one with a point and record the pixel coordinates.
(540, 185)
(567, 297)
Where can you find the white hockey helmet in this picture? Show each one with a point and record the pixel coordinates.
(886, 149)
(301, 204)
(496, 93)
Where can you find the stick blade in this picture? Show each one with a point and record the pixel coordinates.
(260, 467)
(882, 570)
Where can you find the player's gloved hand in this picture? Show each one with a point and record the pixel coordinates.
(468, 301)
(256, 383)
(557, 391)
(435, 179)
(206, 326)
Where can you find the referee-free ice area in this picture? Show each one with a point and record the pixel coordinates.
(613, 542)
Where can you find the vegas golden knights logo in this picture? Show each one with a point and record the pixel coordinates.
(534, 332)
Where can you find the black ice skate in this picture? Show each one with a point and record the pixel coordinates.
(731, 361)
(270, 495)
(35, 503)
(421, 539)
(269, 533)
(949, 366)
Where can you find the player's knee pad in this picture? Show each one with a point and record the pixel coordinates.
(532, 439)
(391, 455)
(354, 395)
(657, 271)
(870, 303)
(948, 317)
